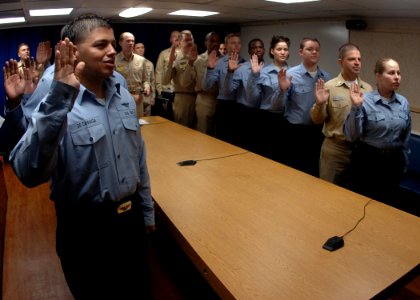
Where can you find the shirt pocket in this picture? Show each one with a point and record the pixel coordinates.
(403, 115)
(88, 135)
(130, 123)
(302, 89)
(339, 104)
(87, 144)
(339, 111)
(378, 117)
(131, 135)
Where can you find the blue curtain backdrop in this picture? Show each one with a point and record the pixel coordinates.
(154, 36)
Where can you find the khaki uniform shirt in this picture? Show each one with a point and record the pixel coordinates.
(335, 111)
(40, 68)
(151, 79)
(134, 71)
(200, 68)
(181, 74)
(161, 65)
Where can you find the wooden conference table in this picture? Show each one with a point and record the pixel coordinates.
(255, 228)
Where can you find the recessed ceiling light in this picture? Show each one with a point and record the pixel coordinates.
(193, 13)
(291, 1)
(134, 12)
(50, 12)
(12, 20)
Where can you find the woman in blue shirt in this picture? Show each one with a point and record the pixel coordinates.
(263, 86)
(380, 124)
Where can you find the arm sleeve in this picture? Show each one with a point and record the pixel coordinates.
(353, 126)
(146, 82)
(209, 79)
(277, 99)
(167, 74)
(231, 84)
(188, 76)
(158, 74)
(35, 156)
(17, 122)
(253, 88)
(144, 189)
(406, 139)
(319, 113)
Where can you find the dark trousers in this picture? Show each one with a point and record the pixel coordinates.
(303, 147)
(163, 105)
(103, 253)
(9, 137)
(226, 121)
(376, 173)
(248, 127)
(272, 135)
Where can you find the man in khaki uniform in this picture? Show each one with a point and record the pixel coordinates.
(148, 101)
(205, 104)
(331, 108)
(42, 61)
(162, 63)
(133, 67)
(179, 66)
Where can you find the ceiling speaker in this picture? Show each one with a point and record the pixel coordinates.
(355, 24)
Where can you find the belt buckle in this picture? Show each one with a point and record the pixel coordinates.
(124, 207)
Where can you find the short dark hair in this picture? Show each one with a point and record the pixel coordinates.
(252, 42)
(346, 47)
(308, 39)
(22, 44)
(231, 35)
(64, 31)
(211, 33)
(82, 25)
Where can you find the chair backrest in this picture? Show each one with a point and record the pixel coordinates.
(414, 157)
(3, 209)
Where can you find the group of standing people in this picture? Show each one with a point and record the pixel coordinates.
(80, 127)
(366, 131)
(340, 129)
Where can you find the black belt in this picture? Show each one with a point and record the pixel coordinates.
(125, 204)
(186, 93)
(107, 208)
(378, 151)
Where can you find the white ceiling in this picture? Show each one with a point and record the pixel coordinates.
(231, 11)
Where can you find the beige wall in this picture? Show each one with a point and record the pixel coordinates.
(396, 38)
(399, 39)
(331, 34)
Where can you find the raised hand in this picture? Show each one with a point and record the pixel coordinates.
(14, 83)
(66, 69)
(322, 94)
(233, 61)
(33, 72)
(192, 55)
(356, 95)
(147, 91)
(172, 55)
(284, 82)
(43, 53)
(212, 60)
(255, 65)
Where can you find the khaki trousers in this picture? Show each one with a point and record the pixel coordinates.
(139, 106)
(334, 161)
(205, 109)
(184, 108)
(148, 101)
